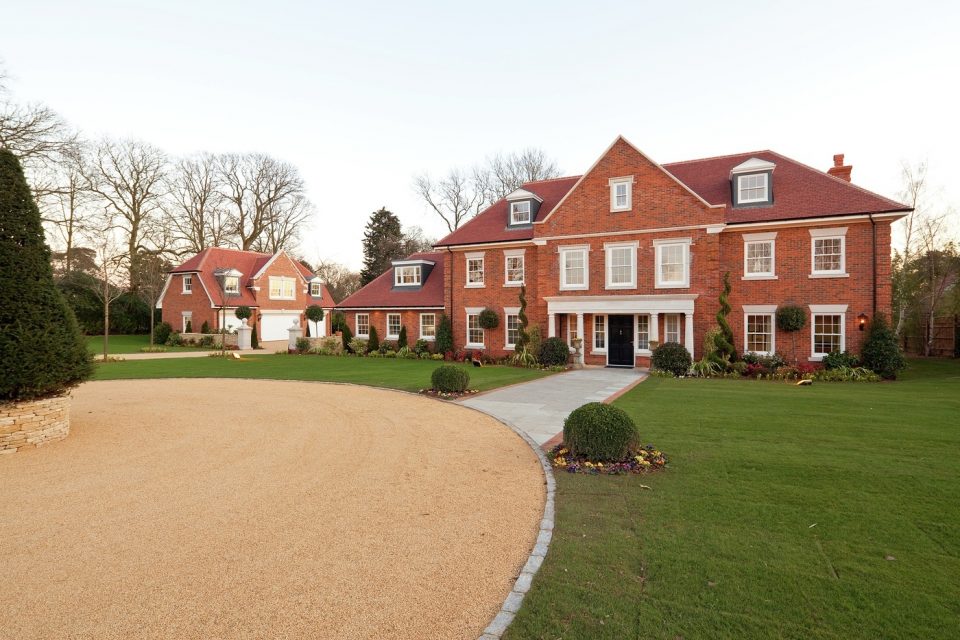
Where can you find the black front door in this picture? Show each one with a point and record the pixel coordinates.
(620, 349)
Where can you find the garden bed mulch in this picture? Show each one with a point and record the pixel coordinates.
(443, 395)
(645, 460)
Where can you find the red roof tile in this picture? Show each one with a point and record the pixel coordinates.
(490, 225)
(381, 292)
(799, 191)
(248, 263)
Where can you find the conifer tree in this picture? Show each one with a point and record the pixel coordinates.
(42, 351)
(383, 242)
(724, 339)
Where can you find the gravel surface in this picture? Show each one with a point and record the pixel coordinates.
(264, 509)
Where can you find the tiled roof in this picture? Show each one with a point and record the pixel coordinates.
(490, 225)
(799, 191)
(381, 292)
(248, 263)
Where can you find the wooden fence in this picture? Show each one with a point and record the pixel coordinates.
(946, 338)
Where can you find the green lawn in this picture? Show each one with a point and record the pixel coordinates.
(407, 375)
(830, 511)
(121, 344)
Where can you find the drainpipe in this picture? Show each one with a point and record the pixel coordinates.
(873, 225)
(450, 266)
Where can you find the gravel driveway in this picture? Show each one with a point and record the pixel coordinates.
(264, 509)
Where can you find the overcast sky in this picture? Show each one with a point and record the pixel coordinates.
(361, 96)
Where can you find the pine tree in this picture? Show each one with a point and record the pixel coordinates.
(383, 242)
(42, 351)
(373, 340)
(402, 338)
(444, 340)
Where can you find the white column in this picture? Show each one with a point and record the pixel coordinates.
(552, 325)
(583, 340)
(655, 326)
(688, 333)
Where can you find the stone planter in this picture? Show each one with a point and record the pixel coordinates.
(33, 423)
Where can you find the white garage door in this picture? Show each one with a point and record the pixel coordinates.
(274, 326)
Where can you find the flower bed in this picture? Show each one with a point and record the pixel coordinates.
(444, 395)
(645, 460)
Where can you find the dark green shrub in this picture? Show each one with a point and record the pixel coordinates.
(189, 327)
(373, 341)
(600, 432)
(450, 378)
(161, 332)
(489, 319)
(42, 351)
(243, 312)
(402, 338)
(791, 318)
(175, 339)
(444, 341)
(314, 314)
(554, 352)
(206, 341)
(303, 345)
(771, 362)
(338, 321)
(346, 336)
(881, 353)
(421, 346)
(672, 357)
(725, 351)
(205, 327)
(129, 314)
(840, 360)
(254, 340)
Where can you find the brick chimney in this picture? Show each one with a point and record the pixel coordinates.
(839, 169)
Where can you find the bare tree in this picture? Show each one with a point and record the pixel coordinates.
(462, 194)
(285, 221)
(65, 206)
(128, 177)
(110, 264)
(914, 193)
(259, 190)
(198, 215)
(415, 241)
(938, 268)
(340, 281)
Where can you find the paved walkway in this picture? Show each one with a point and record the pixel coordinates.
(540, 407)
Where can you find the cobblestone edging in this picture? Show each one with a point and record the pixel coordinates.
(508, 610)
(34, 423)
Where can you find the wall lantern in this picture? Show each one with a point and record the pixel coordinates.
(862, 321)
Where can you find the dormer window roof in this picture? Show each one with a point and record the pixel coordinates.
(523, 194)
(522, 207)
(410, 273)
(752, 182)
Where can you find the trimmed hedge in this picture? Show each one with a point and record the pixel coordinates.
(554, 352)
(450, 378)
(600, 432)
(672, 357)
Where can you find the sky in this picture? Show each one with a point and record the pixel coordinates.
(363, 96)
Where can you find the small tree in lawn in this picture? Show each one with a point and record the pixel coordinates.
(402, 338)
(42, 351)
(315, 315)
(790, 319)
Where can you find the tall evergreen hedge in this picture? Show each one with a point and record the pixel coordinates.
(42, 351)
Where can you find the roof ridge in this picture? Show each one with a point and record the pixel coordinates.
(553, 179)
(725, 155)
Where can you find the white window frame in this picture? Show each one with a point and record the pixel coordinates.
(356, 325)
(394, 336)
(837, 233)
(319, 292)
(514, 206)
(434, 324)
(626, 181)
(667, 317)
(483, 266)
(281, 282)
(509, 254)
(636, 323)
(510, 312)
(231, 280)
(659, 246)
(609, 249)
(187, 284)
(756, 239)
(563, 252)
(600, 330)
(185, 317)
(412, 268)
(475, 312)
(765, 186)
(768, 310)
(827, 310)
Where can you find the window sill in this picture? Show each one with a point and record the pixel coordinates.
(598, 352)
(829, 275)
(513, 284)
(621, 209)
(815, 359)
(621, 287)
(671, 286)
(574, 288)
(393, 337)
(474, 286)
(471, 345)
(365, 336)
(428, 338)
(509, 347)
(271, 297)
(643, 352)
(760, 277)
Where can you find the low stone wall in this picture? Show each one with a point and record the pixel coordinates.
(197, 337)
(34, 423)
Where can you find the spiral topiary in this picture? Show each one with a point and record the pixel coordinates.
(600, 432)
(724, 340)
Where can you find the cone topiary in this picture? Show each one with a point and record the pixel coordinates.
(42, 351)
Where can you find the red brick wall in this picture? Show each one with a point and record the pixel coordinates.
(410, 318)
(175, 302)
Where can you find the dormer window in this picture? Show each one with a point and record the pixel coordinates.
(315, 290)
(520, 212)
(231, 284)
(407, 276)
(621, 193)
(752, 182)
(752, 188)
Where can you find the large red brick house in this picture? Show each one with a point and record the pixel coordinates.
(633, 252)
(212, 284)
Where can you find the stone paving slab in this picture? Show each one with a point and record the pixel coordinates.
(540, 407)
